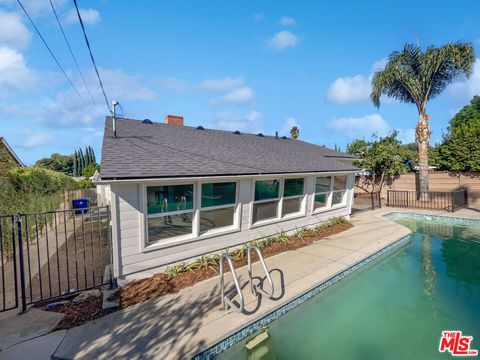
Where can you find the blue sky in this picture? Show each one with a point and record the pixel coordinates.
(247, 65)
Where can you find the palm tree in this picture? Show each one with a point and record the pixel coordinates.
(294, 131)
(415, 76)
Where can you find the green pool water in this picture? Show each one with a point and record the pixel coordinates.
(394, 308)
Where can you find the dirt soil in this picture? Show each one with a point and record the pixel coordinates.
(160, 284)
(77, 314)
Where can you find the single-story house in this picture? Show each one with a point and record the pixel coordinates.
(177, 192)
(8, 158)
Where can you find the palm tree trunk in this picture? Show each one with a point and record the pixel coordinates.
(422, 136)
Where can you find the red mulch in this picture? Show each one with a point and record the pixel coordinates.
(140, 290)
(77, 314)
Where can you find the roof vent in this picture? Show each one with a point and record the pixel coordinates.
(260, 134)
(284, 137)
(200, 127)
(236, 132)
(147, 121)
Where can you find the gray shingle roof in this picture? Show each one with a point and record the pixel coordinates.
(159, 150)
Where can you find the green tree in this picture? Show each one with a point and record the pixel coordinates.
(416, 76)
(460, 147)
(57, 162)
(383, 158)
(294, 132)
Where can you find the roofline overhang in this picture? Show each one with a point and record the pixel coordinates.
(14, 155)
(207, 177)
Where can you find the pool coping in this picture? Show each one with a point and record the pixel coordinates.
(245, 331)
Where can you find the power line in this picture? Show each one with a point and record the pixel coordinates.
(49, 50)
(73, 56)
(91, 55)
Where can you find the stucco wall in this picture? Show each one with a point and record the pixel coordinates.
(132, 261)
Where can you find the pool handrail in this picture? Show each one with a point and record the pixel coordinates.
(253, 288)
(225, 300)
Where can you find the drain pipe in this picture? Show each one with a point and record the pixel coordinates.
(114, 120)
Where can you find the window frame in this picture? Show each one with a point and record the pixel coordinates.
(235, 206)
(343, 191)
(302, 211)
(328, 203)
(279, 199)
(195, 235)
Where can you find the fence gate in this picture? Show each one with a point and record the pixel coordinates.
(47, 255)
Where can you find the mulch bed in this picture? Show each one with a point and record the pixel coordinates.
(77, 314)
(160, 284)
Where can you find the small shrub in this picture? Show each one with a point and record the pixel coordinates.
(175, 270)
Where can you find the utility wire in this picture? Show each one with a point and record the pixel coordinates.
(49, 50)
(73, 56)
(91, 55)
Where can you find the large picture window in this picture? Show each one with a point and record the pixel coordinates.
(217, 205)
(169, 211)
(267, 197)
(293, 191)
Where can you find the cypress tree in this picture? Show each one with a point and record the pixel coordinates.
(94, 160)
(81, 162)
(75, 163)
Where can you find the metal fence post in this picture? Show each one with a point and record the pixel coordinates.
(18, 220)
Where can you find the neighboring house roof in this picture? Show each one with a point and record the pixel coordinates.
(160, 150)
(12, 153)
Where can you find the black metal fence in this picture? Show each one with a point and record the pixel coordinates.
(430, 200)
(52, 254)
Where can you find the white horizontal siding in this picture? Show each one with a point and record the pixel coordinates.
(132, 260)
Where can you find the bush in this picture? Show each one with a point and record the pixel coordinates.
(33, 189)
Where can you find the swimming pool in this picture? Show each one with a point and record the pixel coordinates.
(396, 307)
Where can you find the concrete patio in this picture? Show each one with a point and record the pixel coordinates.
(182, 324)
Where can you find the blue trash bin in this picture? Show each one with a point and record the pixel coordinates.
(81, 205)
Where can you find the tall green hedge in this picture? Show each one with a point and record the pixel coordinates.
(33, 189)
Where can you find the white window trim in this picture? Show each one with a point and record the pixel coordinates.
(236, 210)
(328, 204)
(343, 203)
(194, 235)
(280, 199)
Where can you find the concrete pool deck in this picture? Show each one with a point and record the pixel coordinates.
(180, 325)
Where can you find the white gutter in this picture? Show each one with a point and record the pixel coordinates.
(196, 178)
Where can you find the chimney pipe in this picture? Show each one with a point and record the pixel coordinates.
(276, 134)
(114, 119)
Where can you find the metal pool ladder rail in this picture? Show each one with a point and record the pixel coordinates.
(225, 300)
(253, 288)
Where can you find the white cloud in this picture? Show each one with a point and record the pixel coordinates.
(464, 90)
(66, 109)
(354, 127)
(13, 32)
(286, 21)
(89, 16)
(33, 140)
(288, 124)
(349, 89)
(250, 122)
(241, 95)
(365, 126)
(34, 7)
(353, 89)
(282, 40)
(222, 85)
(259, 17)
(14, 73)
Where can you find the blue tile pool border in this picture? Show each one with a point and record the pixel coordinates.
(255, 326)
(444, 219)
